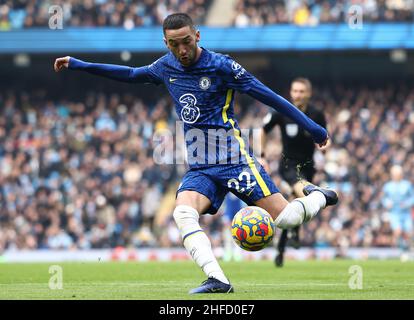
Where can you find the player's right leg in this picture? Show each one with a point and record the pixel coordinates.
(190, 203)
(255, 187)
(281, 246)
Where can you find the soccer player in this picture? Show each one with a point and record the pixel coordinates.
(202, 84)
(296, 165)
(398, 200)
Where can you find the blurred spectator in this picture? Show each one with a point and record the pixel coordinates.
(18, 14)
(76, 177)
(398, 200)
(302, 13)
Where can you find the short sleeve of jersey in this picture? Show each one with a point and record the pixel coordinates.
(155, 72)
(234, 75)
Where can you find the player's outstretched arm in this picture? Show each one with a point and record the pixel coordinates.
(262, 93)
(237, 78)
(112, 71)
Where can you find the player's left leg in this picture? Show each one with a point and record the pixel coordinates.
(289, 215)
(297, 174)
(254, 186)
(291, 175)
(286, 214)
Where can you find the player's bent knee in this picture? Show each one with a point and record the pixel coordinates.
(194, 200)
(183, 212)
(277, 212)
(275, 203)
(186, 219)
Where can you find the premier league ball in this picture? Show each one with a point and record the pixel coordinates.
(252, 228)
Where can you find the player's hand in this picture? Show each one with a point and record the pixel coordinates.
(323, 145)
(264, 163)
(61, 63)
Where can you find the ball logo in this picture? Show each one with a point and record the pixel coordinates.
(190, 112)
(205, 83)
(235, 66)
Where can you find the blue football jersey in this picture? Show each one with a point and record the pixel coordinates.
(204, 94)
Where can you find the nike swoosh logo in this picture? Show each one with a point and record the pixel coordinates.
(173, 79)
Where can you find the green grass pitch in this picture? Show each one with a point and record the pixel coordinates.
(172, 280)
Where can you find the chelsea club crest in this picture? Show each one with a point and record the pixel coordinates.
(205, 83)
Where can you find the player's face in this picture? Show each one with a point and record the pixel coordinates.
(300, 94)
(183, 44)
(396, 173)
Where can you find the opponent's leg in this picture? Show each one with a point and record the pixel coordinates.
(295, 239)
(186, 214)
(298, 191)
(281, 246)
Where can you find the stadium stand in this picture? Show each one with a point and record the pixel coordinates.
(311, 13)
(18, 14)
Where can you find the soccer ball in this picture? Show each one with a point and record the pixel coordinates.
(252, 228)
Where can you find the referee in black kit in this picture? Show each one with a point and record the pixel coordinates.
(296, 164)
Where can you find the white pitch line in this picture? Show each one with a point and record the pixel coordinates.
(181, 284)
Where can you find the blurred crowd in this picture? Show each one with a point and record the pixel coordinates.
(17, 14)
(314, 12)
(81, 174)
